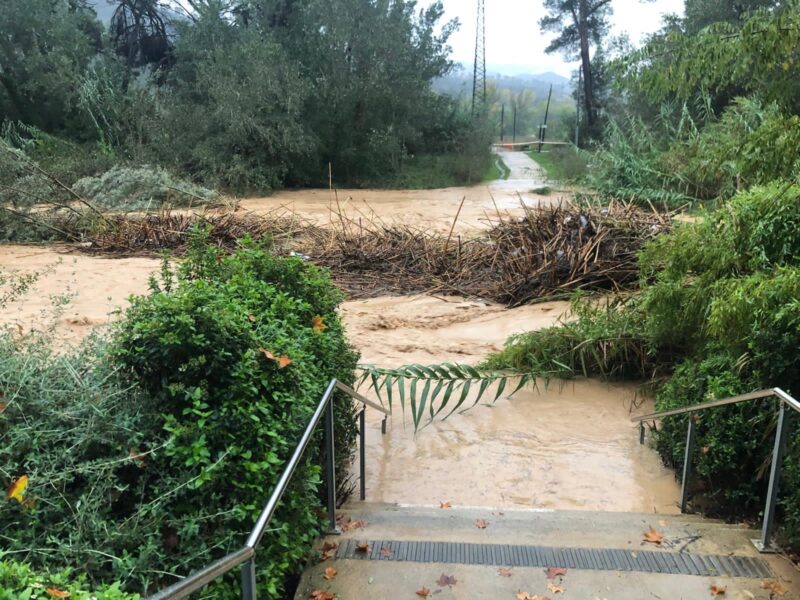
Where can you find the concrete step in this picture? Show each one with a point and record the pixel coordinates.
(604, 554)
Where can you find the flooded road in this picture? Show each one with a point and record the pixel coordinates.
(571, 446)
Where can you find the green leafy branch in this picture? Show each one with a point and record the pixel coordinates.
(438, 388)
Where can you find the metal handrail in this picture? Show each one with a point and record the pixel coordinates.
(763, 544)
(245, 556)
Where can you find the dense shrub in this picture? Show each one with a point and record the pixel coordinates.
(19, 582)
(154, 455)
(138, 188)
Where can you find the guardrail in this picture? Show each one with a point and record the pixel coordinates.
(764, 543)
(245, 556)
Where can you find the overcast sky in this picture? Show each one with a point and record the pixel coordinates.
(513, 39)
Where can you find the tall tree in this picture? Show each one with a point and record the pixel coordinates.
(579, 24)
(701, 13)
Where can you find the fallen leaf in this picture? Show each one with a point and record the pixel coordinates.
(386, 552)
(57, 593)
(504, 572)
(17, 489)
(328, 550)
(318, 324)
(527, 596)
(556, 589)
(363, 547)
(252, 318)
(321, 595)
(423, 592)
(717, 590)
(773, 586)
(444, 505)
(553, 572)
(446, 580)
(330, 574)
(283, 361)
(481, 524)
(653, 537)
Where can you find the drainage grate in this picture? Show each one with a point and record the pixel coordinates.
(505, 555)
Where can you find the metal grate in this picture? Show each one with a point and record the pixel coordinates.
(505, 555)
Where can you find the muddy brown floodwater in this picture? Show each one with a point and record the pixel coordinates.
(567, 447)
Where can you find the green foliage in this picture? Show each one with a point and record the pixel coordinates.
(562, 163)
(595, 340)
(439, 389)
(129, 188)
(758, 56)
(151, 458)
(19, 582)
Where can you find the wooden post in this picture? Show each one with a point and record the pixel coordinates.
(514, 135)
(502, 123)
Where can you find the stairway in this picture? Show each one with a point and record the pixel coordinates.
(604, 554)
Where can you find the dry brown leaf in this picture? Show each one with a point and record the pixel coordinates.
(252, 318)
(717, 590)
(330, 573)
(17, 489)
(386, 552)
(446, 581)
(527, 596)
(444, 505)
(481, 523)
(774, 587)
(653, 537)
(363, 547)
(553, 572)
(321, 595)
(504, 572)
(318, 324)
(283, 361)
(556, 589)
(423, 592)
(57, 593)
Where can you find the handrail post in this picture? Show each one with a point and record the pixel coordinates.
(687, 462)
(764, 544)
(362, 452)
(330, 468)
(249, 580)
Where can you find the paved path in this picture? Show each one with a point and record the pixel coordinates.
(603, 554)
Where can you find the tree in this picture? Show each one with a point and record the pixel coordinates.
(701, 13)
(579, 24)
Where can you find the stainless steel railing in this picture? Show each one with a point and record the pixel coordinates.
(763, 544)
(245, 556)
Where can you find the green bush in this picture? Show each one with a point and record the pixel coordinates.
(19, 582)
(150, 457)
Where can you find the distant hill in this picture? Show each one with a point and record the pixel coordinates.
(460, 83)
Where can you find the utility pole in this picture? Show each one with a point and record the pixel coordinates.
(543, 131)
(479, 74)
(502, 123)
(514, 138)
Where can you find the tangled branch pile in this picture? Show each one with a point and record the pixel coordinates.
(550, 251)
(167, 230)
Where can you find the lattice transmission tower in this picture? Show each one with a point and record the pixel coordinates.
(479, 74)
